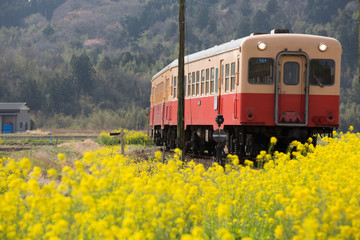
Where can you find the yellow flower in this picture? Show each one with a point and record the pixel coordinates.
(311, 195)
(157, 156)
(273, 140)
(223, 211)
(61, 156)
(224, 234)
(187, 237)
(351, 128)
(197, 231)
(279, 230)
(51, 173)
(177, 151)
(36, 230)
(235, 160)
(346, 232)
(280, 214)
(310, 227)
(78, 166)
(25, 164)
(36, 172)
(249, 163)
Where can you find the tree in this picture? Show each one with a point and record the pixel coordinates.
(245, 8)
(31, 94)
(259, 22)
(48, 31)
(271, 6)
(202, 17)
(321, 11)
(105, 63)
(83, 73)
(13, 11)
(133, 26)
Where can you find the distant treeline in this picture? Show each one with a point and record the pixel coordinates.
(13, 12)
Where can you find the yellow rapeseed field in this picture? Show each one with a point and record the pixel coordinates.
(312, 193)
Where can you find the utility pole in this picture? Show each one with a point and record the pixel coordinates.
(181, 91)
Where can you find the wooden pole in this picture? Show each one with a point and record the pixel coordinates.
(147, 124)
(181, 91)
(122, 141)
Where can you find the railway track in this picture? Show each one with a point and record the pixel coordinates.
(53, 137)
(206, 160)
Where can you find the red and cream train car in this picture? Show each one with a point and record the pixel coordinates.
(278, 84)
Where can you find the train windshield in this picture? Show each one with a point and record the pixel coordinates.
(291, 73)
(322, 72)
(261, 70)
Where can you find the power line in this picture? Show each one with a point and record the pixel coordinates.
(204, 3)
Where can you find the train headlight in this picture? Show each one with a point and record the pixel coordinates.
(261, 45)
(323, 47)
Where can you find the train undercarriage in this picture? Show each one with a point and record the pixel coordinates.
(243, 141)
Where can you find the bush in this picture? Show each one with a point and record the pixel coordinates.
(130, 137)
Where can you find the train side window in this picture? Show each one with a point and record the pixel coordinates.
(197, 82)
(237, 77)
(261, 71)
(153, 95)
(207, 81)
(202, 81)
(216, 79)
(227, 72)
(322, 72)
(291, 73)
(175, 85)
(159, 93)
(165, 90)
(167, 85)
(212, 75)
(232, 76)
(185, 82)
(222, 76)
(189, 85)
(193, 84)
(171, 85)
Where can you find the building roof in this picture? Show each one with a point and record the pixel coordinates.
(13, 107)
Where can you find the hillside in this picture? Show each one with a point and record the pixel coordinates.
(88, 64)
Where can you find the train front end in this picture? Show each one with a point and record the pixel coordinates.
(290, 87)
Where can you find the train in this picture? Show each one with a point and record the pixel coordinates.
(278, 84)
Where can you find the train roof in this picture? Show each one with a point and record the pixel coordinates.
(233, 44)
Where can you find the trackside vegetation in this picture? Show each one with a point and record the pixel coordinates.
(308, 193)
(130, 137)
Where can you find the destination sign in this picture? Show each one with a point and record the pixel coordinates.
(262, 60)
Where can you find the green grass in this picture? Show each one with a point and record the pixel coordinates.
(45, 157)
(31, 142)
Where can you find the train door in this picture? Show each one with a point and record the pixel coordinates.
(236, 86)
(291, 89)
